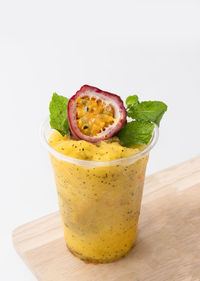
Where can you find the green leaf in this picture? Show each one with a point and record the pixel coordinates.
(148, 111)
(132, 100)
(58, 114)
(136, 132)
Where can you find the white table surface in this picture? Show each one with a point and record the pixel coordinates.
(151, 48)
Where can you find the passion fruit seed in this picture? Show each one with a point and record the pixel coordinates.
(97, 115)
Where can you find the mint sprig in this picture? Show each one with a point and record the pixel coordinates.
(145, 115)
(151, 111)
(132, 100)
(136, 132)
(58, 114)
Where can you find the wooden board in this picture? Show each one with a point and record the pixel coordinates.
(167, 248)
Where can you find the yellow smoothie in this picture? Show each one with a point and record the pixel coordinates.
(99, 205)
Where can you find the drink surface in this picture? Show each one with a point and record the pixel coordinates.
(99, 205)
(102, 151)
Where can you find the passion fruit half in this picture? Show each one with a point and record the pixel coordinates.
(95, 115)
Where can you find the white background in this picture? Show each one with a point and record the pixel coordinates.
(151, 48)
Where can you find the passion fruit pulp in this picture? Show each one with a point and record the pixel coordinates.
(95, 115)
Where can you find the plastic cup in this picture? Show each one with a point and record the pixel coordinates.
(99, 201)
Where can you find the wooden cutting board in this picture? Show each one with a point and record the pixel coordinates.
(167, 248)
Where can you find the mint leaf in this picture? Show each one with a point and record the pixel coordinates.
(144, 114)
(148, 111)
(58, 114)
(132, 100)
(136, 132)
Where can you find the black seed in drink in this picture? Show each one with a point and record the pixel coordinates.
(87, 108)
(85, 127)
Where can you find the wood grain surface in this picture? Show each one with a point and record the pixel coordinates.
(167, 247)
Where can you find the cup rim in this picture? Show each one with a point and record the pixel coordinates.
(126, 160)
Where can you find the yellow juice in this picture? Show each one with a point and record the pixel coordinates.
(99, 205)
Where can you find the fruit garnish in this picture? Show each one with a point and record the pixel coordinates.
(95, 115)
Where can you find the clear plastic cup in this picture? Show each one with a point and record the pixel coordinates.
(99, 201)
